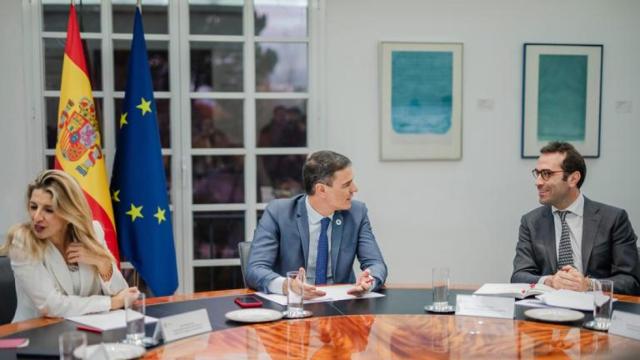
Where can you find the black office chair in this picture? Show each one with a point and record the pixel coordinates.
(244, 247)
(8, 300)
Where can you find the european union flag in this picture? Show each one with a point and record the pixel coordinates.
(138, 186)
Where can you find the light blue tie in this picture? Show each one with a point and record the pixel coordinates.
(323, 253)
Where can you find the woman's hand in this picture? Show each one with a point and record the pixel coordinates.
(117, 301)
(78, 253)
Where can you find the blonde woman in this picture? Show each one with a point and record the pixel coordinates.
(59, 259)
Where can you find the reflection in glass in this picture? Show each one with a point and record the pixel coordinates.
(216, 234)
(284, 18)
(54, 55)
(166, 163)
(217, 278)
(216, 66)
(218, 179)
(133, 278)
(155, 16)
(281, 123)
(163, 115)
(55, 15)
(215, 17)
(216, 123)
(279, 176)
(158, 54)
(51, 106)
(281, 67)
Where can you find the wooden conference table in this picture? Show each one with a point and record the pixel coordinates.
(392, 327)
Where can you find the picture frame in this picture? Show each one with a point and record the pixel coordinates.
(561, 97)
(421, 101)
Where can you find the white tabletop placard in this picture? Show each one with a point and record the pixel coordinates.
(183, 325)
(625, 324)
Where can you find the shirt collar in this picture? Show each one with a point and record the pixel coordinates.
(577, 207)
(314, 216)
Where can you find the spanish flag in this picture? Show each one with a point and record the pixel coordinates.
(78, 149)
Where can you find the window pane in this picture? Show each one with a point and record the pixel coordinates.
(54, 55)
(55, 15)
(216, 66)
(51, 105)
(279, 176)
(50, 161)
(216, 123)
(284, 18)
(281, 67)
(218, 179)
(166, 163)
(163, 115)
(281, 123)
(154, 16)
(216, 234)
(215, 17)
(217, 278)
(158, 53)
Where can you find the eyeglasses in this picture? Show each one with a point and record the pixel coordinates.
(545, 173)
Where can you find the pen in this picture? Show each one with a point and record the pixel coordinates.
(89, 329)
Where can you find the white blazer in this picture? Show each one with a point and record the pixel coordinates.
(45, 287)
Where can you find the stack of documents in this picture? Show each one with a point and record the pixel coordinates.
(516, 290)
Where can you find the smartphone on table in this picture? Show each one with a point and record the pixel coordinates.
(248, 301)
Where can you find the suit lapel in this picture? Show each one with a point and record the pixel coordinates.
(303, 227)
(58, 269)
(548, 235)
(336, 239)
(590, 222)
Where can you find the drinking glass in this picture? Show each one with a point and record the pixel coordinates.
(134, 306)
(440, 287)
(602, 303)
(72, 343)
(295, 294)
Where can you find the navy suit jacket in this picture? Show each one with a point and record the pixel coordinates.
(608, 247)
(281, 244)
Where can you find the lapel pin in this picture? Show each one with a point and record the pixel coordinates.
(338, 222)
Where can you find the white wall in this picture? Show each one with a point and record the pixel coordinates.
(16, 136)
(465, 214)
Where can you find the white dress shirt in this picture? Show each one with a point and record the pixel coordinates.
(574, 220)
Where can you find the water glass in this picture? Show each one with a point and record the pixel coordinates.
(440, 286)
(602, 303)
(295, 294)
(134, 306)
(72, 345)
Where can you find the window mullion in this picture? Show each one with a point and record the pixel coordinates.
(250, 166)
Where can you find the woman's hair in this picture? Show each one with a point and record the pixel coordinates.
(70, 204)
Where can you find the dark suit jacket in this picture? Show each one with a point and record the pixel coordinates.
(608, 247)
(281, 243)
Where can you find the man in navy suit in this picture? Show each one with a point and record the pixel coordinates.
(599, 241)
(321, 232)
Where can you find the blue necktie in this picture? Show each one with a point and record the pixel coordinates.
(323, 253)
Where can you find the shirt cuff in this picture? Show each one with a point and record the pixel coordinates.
(543, 279)
(275, 286)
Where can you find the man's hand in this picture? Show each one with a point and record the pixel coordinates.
(299, 286)
(568, 278)
(363, 284)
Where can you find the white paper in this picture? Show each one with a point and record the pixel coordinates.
(537, 303)
(569, 299)
(107, 321)
(518, 290)
(487, 306)
(334, 293)
(625, 324)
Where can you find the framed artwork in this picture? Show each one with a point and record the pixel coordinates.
(421, 101)
(562, 92)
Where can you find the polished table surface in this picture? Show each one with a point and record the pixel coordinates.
(392, 327)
